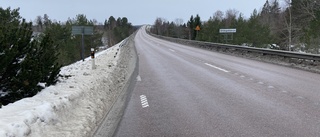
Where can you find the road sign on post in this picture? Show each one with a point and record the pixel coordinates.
(197, 28)
(82, 30)
(226, 33)
(227, 30)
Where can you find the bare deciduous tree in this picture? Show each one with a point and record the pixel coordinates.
(231, 15)
(178, 28)
(39, 23)
(218, 15)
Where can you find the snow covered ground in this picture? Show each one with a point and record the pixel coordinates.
(74, 106)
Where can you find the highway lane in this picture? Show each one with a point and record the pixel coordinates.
(186, 91)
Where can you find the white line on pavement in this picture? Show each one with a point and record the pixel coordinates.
(138, 78)
(144, 101)
(172, 50)
(216, 67)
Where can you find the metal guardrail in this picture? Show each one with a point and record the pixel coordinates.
(209, 45)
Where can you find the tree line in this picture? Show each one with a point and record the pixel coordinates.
(70, 45)
(293, 27)
(32, 53)
(117, 30)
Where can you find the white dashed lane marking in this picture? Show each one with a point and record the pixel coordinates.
(221, 69)
(271, 87)
(144, 101)
(172, 50)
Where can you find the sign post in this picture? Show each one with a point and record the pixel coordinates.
(82, 30)
(197, 29)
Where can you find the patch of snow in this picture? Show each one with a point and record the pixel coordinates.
(2, 93)
(246, 44)
(21, 59)
(273, 46)
(18, 72)
(42, 85)
(300, 51)
(72, 107)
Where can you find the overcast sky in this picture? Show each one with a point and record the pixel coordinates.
(137, 11)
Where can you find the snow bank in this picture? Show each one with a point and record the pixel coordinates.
(73, 107)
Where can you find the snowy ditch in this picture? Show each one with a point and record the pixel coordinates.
(75, 106)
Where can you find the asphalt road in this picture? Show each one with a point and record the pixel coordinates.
(186, 91)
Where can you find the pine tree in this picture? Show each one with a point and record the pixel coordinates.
(265, 13)
(241, 36)
(258, 34)
(197, 22)
(15, 38)
(191, 27)
(120, 29)
(25, 61)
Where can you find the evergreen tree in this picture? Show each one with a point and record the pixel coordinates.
(15, 43)
(241, 36)
(67, 45)
(25, 61)
(117, 30)
(197, 23)
(192, 24)
(258, 34)
(191, 28)
(265, 13)
(46, 21)
(210, 30)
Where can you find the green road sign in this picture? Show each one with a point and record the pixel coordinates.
(85, 30)
(82, 30)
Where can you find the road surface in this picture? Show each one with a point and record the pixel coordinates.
(186, 91)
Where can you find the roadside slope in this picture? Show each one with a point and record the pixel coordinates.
(77, 104)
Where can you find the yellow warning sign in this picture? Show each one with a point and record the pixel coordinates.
(197, 28)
